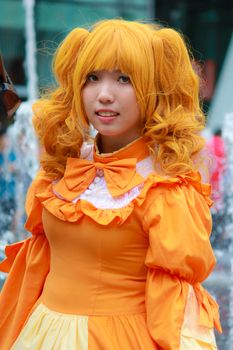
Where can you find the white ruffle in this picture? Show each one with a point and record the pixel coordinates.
(98, 195)
(86, 151)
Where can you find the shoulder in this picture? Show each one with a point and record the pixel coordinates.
(178, 191)
(183, 198)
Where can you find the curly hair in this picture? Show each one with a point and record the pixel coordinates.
(166, 86)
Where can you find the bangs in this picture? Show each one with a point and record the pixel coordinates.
(114, 47)
(113, 52)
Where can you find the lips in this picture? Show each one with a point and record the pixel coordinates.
(106, 116)
(106, 113)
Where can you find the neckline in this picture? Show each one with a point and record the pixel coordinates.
(135, 149)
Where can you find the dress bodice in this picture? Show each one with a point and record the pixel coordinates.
(101, 266)
(95, 269)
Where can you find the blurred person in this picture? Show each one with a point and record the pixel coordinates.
(216, 148)
(120, 224)
(218, 158)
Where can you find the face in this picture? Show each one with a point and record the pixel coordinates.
(111, 106)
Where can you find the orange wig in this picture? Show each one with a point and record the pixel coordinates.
(166, 86)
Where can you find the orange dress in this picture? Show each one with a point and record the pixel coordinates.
(114, 261)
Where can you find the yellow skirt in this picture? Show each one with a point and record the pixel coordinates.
(50, 330)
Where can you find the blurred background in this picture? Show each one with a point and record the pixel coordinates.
(30, 31)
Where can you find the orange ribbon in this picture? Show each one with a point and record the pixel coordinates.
(120, 177)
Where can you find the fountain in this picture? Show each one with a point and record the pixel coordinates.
(22, 142)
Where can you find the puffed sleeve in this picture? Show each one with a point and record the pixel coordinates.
(27, 263)
(179, 256)
(33, 224)
(33, 206)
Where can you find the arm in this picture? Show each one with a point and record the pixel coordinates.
(180, 256)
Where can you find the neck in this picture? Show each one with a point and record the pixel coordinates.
(109, 144)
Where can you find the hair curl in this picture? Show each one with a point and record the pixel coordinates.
(166, 86)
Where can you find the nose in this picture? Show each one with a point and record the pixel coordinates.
(105, 93)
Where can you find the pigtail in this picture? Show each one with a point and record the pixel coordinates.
(55, 121)
(66, 57)
(174, 125)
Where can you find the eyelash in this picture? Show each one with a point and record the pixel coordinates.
(124, 77)
(90, 76)
(93, 78)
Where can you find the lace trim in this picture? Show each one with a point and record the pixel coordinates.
(97, 194)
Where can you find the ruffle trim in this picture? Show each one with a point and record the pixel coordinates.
(11, 252)
(209, 309)
(72, 212)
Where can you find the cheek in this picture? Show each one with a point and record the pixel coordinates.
(85, 97)
(134, 104)
(88, 100)
(130, 96)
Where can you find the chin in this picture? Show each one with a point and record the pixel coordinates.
(107, 132)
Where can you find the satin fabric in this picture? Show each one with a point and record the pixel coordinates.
(120, 177)
(121, 263)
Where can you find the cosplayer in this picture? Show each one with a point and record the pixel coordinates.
(120, 226)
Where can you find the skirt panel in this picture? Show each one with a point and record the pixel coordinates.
(50, 330)
(128, 332)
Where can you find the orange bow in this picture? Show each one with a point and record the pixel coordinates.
(120, 177)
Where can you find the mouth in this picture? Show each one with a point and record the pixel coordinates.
(106, 113)
(106, 116)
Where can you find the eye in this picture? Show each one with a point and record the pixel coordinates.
(124, 79)
(92, 77)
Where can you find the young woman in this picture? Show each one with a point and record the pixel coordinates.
(120, 227)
